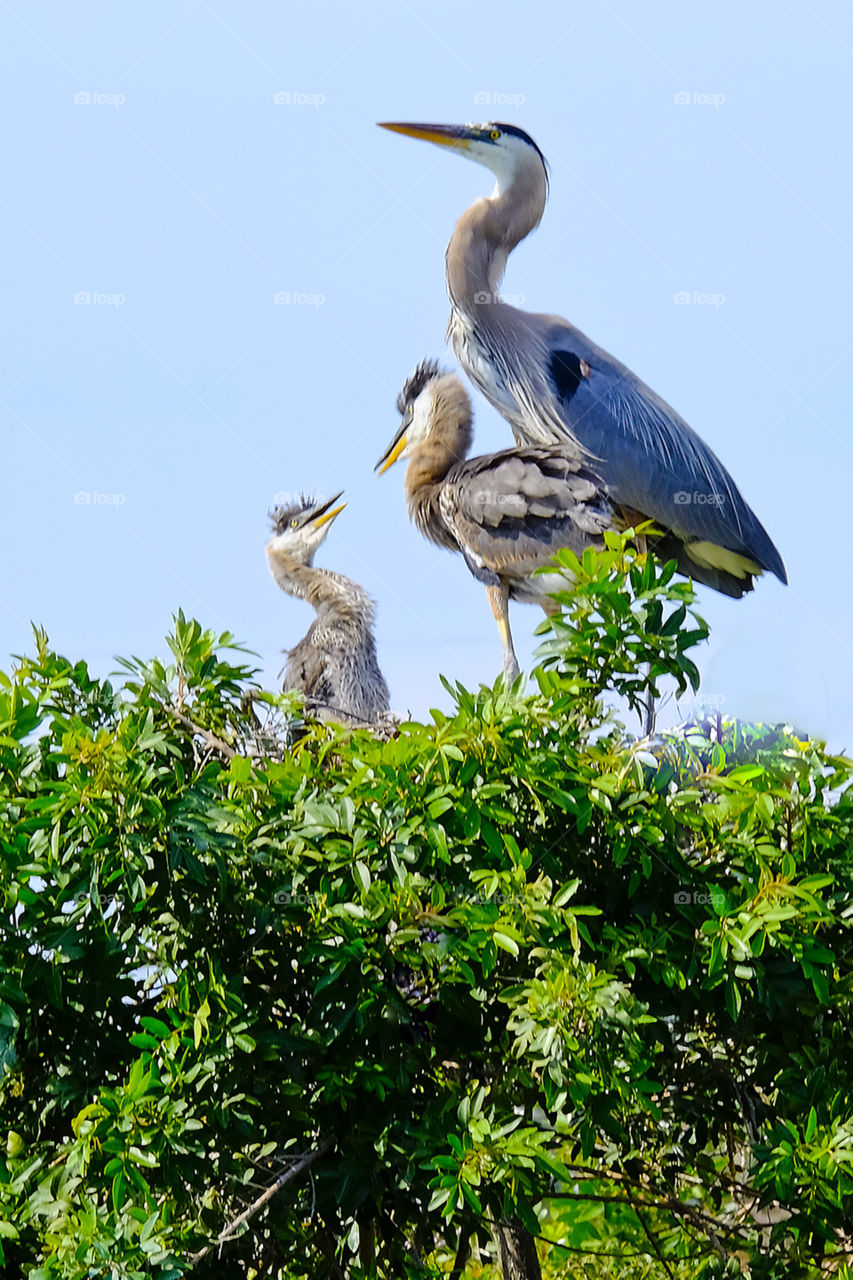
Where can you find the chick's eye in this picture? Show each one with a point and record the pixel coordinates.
(495, 134)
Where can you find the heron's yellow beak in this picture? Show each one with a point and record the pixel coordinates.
(443, 135)
(393, 452)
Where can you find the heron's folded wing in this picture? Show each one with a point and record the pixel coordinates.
(648, 456)
(516, 508)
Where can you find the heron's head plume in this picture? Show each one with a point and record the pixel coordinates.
(426, 371)
(301, 525)
(506, 150)
(436, 428)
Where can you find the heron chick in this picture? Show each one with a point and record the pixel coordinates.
(507, 513)
(334, 665)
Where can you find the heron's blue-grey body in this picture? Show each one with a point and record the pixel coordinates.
(557, 387)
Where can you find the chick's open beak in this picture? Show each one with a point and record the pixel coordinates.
(324, 515)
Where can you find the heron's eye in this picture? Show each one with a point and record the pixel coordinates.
(294, 524)
(495, 134)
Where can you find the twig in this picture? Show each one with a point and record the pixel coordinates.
(210, 738)
(605, 1253)
(651, 1239)
(710, 1226)
(304, 1162)
(346, 720)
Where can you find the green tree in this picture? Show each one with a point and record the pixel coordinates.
(509, 988)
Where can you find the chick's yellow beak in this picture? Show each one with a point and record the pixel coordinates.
(329, 515)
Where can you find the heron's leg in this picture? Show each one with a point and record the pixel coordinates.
(499, 600)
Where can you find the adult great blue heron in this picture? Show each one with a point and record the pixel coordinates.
(555, 386)
(334, 665)
(507, 512)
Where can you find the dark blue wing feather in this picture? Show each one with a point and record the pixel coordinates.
(663, 469)
(556, 386)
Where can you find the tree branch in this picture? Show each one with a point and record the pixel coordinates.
(703, 1221)
(210, 738)
(651, 1239)
(304, 1162)
(608, 1253)
(463, 1251)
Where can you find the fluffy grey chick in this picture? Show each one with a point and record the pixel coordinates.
(334, 665)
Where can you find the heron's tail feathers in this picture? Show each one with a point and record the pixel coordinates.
(725, 571)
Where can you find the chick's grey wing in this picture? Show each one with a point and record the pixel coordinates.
(511, 511)
(307, 672)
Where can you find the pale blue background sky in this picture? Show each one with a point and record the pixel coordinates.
(195, 198)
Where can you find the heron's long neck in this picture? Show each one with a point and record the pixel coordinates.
(425, 514)
(485, 236)
(425, 476)
(325, 591)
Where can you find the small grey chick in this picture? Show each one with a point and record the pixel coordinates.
(334, 665)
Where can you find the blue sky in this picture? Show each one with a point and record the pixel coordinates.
(699, 150)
